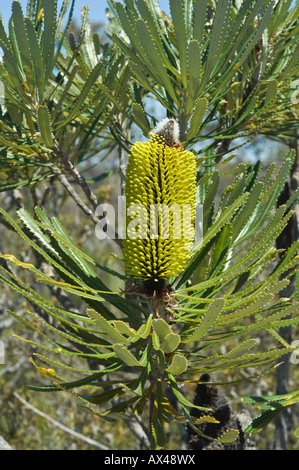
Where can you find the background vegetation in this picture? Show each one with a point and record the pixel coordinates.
(75, 101)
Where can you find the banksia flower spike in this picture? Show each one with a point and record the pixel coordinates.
(160, 207)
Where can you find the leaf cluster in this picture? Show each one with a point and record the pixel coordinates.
(223, 70)
(229, 302)
(61, 92)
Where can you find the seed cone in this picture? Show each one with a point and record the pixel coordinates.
(160, 206)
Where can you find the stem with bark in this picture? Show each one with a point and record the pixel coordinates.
(287, 238)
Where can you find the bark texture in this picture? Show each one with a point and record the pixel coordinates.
(4, 445)
(210, 396)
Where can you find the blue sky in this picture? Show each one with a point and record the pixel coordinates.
(97, 8)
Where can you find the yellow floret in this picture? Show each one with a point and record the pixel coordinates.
(162, 181)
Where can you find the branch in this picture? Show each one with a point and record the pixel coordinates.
(122, 166)
(59, 425)
(61, 177)
(18, 198)
(75, 196)
(221, 148)
(47, 192)
(4, 445)
(14, 368)
(122, 169)
(289, 236)
(139, 430)
(80, 180)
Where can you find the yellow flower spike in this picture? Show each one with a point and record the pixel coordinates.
(161, 176)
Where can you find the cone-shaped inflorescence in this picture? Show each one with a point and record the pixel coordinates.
(160, 205)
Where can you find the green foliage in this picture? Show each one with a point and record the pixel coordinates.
(57, 98)
(270, 407)
(222, 70)
(226, 304)
(220, 64)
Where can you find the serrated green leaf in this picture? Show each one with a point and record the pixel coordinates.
(145, 358)
(242, 348)
(25, 182)
(139, 70)
(153, 59)
(102, 398)
(157, 435)
(200, 18)
(13, 76)
(262, 25)
(209, 198)
(127, 18)
(182, 399)
(14, 49)
(271, 92)
(142, 78)
(178, 365)
(61, 17)
(226, 215)
(155, 341)
(208, 321)
(44, 124)
(170, 343)
(194, 72)
(3, 35)
(273, 400)
(61, 365)
(56, 349)
(178, 16)
(65, 92)
(219, 29)
(106, 327)
(37, 58)
(145, 329)
(124, 329)
(247, 360)
(272, 193)
(79, 279)
(221, 250)
(50, 27)
(242, 224)
(161, 327)
(32, 225)
(70, 385)
(126, 356)
(206, 419)
(197, 117)
(140, 118)
(65, 242)
(259, 423)
(21, 37)
(138, 385)
(151, 14)
(228, 436)
(85, 91)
